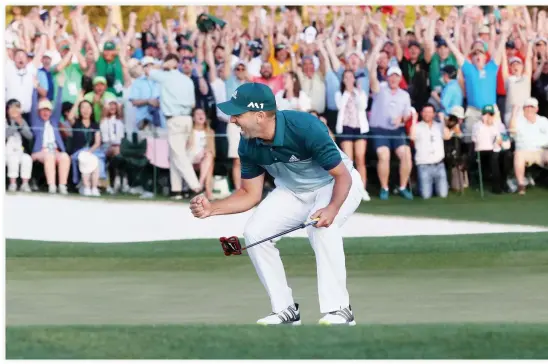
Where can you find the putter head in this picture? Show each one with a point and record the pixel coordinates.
(231, 245)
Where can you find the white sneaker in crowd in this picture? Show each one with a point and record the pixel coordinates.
(52, 189)
(95, 192)
(86, 191)
(147, 194)
(365, 195)
(25, 187)
(339, 317)
(63, 189)
(289, 316)
(12, 187)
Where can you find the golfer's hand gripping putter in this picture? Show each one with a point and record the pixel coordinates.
(232, 246)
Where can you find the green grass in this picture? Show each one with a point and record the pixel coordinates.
(434, 297)
(464, 341)
(531, 209)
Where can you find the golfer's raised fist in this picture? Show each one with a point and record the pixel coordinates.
(200, 207)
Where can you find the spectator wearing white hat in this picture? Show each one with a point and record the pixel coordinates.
(144, 94)
(391, 107)
(530, 132)
(518, 81)
(428, 137)
(18, 162)
(49, 148)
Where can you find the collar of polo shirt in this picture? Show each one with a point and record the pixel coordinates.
(278, 133)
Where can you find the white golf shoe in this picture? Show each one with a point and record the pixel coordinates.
(289, 316)
(344, 316)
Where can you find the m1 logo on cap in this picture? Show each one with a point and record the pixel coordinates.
(255, 105)
(234, 94)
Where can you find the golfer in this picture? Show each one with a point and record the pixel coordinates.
(314, 179)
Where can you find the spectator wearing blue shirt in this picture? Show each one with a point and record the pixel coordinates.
(451, 94)
(480, 79)
(144, 94)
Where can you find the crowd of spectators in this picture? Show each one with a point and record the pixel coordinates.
(468, 87)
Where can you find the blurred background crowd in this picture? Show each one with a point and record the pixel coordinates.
(424, 100)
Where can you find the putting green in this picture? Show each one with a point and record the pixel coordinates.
(441, 294)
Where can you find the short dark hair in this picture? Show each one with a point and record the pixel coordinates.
(429, 105)
(171, 56)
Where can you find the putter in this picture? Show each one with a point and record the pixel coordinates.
(232, 246)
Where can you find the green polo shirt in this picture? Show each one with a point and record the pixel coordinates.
(298, 158)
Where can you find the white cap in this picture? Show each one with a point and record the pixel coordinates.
(147, 60)
(485, 30)
(515, 59)
(457, 111)
(541, 39)
(393, 70)
(45, 104)
(531, 101)
(108, 100)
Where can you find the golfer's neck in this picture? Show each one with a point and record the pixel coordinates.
(269, 131)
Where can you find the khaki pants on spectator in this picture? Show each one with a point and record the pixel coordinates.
(180, 165)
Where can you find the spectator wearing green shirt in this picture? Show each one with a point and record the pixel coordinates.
(441, 58)
(98, 95)
(73, 71)
(108, 65)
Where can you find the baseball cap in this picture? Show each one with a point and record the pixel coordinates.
(99, 79)
(531, 101)
(457, 111)
(541, 39)
(441, 43)
(45, 104)
(510, 44)
(109, 46)
(488, 109)
(280, 46)
(147, 60)
(515, 59)
(485, 30)
(356, 53)
(414, 43)
(393, 70)
(185, 47)
(249, 97)
(110, 99)
(450, 70)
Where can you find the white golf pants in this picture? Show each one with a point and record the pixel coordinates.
(19, 162)
(281, 210)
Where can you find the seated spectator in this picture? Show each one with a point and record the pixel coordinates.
(391, 106)
(98, 95)
(19, 163)
(87, 157)
(530, 132)
(428, 136)
(112, 133)
(49, 148)
(201, 149)
(292, 97)
(352, 124)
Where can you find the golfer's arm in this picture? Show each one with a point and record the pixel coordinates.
(343, 182)
(242, 200)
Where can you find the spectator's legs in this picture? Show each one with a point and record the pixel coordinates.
(519, 168)
(180, 166)
(348, 148)
(26, 168)
(86, 180)
(404, 154)
(63, 165)
(383, 166)
(95, 178)
(13, 161)
(236, 173)
(360, 147)
(440, 180)
(205, 167)
(48, 160)
(424, 172)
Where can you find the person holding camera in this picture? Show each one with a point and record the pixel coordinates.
(428, 137)
(450, 94)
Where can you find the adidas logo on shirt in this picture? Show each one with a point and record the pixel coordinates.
(294, 159)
